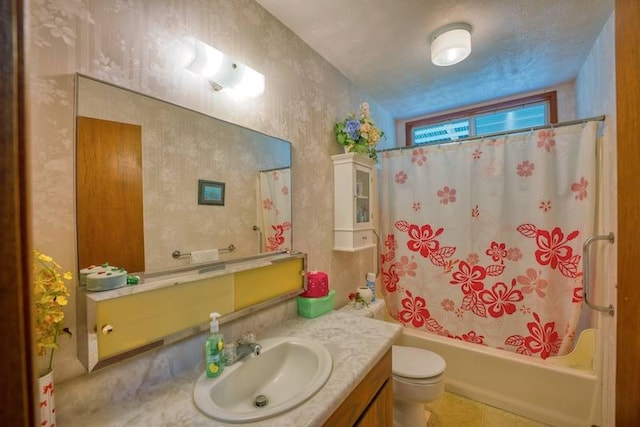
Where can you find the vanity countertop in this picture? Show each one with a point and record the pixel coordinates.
(356, 344)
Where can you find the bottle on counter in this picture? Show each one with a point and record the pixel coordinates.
(371, 284)
(214, 348)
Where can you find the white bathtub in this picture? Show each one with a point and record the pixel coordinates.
(534, 388)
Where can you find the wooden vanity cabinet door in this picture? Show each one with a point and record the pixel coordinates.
(379, 412)
(371, 402)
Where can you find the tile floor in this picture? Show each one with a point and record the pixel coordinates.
(452, 410)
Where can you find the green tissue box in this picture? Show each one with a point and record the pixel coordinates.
(314, 307)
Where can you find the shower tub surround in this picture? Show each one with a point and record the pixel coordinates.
(158, 392)
(533, 388)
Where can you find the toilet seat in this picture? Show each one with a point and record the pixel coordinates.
(416, 365)
(418, 381)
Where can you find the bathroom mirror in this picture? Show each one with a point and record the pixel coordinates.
(180, 148)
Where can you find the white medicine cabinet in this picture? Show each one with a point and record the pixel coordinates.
(353, 186)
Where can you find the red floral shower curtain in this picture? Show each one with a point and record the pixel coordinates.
(275, 209)
(482, 240)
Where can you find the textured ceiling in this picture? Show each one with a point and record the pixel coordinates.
(382, 46)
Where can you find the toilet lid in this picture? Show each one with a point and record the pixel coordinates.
(410, 362)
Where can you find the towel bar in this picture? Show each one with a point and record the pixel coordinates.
(177, 254)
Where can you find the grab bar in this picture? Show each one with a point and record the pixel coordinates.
(585, 271)
(177, 254)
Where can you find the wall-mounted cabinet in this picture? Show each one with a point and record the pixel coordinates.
(121, 323)
(354, 202)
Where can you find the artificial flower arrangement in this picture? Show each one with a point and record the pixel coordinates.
(50, 296)
(356, 299)
(359, 135)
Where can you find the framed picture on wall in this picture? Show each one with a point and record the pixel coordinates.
(210, 193)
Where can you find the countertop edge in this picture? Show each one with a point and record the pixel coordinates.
(356, 344)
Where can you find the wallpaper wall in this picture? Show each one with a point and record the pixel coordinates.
(137, 44)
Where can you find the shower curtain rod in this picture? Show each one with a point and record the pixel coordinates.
(511, 132)
(276, 169)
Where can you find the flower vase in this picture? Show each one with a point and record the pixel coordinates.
(366, 294)
(46, 400)
(346, 148)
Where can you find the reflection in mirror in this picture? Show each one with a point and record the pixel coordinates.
(275, 210)
(178, 148)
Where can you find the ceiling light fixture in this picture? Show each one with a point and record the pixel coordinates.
(451, 44)
(223, 72)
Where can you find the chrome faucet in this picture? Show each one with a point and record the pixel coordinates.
(243, 348)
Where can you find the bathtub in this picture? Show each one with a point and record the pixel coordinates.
(533, 388)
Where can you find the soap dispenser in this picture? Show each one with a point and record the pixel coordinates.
(214, 348)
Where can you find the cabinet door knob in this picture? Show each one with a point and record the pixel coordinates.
(107, 329)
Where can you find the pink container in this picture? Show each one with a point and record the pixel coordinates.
(317, 285)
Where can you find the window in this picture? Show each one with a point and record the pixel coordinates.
(522, 113)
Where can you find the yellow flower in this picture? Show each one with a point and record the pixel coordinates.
(374, 136)
(44, 258)
(50, 295)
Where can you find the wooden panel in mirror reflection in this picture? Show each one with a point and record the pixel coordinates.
(109, 191)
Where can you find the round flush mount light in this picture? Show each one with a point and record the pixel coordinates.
(451, 44)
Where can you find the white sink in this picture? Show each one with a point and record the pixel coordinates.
(287, 372)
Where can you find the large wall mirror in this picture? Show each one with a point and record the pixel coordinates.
(203, 184)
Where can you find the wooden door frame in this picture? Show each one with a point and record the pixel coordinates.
(17, 368)
(627, 41)
(17, 378)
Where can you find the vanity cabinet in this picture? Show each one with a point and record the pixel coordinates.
(370, 404)
(353, 186)
(380, 410)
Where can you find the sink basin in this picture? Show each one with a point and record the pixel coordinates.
(287, 372)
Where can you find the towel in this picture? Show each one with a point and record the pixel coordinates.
(207, 255)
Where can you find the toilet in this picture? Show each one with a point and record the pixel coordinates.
(417, 374)
(418, 378)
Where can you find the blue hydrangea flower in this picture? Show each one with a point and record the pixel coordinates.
(351, 127)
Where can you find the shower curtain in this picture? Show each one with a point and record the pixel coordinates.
(482, 239)
(275, 209)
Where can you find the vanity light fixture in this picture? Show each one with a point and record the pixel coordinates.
(223, 72)
(451, 44)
